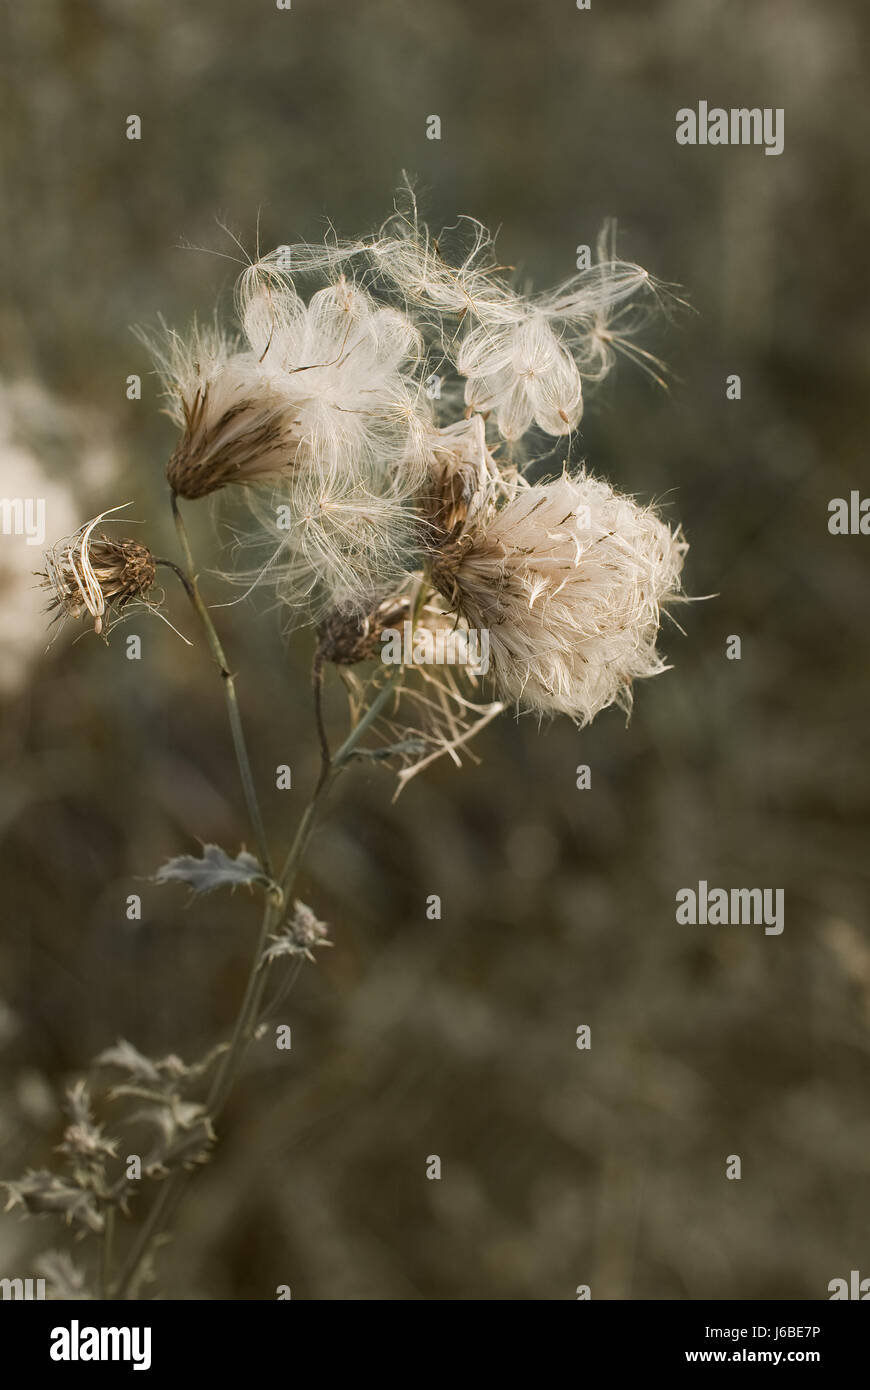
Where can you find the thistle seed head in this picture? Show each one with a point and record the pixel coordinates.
(569, 578)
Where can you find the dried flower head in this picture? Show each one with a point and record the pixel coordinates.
(346, 639)
(301, 936)
(569, 578)
(94, 574)
(235, 427)
(325, 387)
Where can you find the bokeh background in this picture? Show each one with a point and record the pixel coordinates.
(457, 1037)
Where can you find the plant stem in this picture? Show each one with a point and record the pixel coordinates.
(189, 580)
(317, 686)
(249, 1011)
(330, 769)
(106, 1253)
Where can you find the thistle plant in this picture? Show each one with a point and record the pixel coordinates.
(368, 410)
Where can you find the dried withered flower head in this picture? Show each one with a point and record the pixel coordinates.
(345, 639)
(569, 579)
(232, 434)
(324, 388)
(301, 935)
(235, 425)
(94, 574)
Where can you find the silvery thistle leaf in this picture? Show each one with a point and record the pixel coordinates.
(216, 870)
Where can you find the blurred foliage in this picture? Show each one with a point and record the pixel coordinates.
(457, 1037)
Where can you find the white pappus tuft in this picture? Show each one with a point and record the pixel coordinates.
(569, 578)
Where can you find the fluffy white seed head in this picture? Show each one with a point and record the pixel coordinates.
(345, 367)
(569, 577)
(341, 522)
(525, 358)
(328, 545)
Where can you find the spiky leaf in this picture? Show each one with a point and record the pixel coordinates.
(215, 870)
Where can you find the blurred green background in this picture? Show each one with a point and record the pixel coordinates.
(457, 1037)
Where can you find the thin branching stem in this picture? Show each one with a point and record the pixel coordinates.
(317, 685)
(250, 1010)
(131, 1271)
(229, 687)
(329, 772)
(105, 1274)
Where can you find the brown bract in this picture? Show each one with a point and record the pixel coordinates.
(244, 441)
